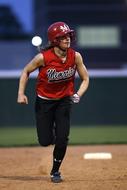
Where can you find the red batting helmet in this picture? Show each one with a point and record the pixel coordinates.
(59, 29)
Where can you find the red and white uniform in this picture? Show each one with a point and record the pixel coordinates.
(56, 79)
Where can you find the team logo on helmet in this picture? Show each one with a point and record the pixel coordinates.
(64, 28)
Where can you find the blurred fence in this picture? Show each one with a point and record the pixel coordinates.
(14, 54)
(104, 103)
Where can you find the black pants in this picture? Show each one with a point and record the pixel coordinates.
(50, 115)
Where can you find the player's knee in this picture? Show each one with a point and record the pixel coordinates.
(61, 142)
(44, 143)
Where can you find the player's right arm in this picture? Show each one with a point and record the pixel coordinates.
(35, 63)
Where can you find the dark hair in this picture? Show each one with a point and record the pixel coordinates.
(46, 47)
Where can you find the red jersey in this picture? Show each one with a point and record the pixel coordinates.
(56, 79)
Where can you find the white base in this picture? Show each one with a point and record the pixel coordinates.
(98, 155)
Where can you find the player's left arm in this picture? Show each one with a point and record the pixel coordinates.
(82, 71)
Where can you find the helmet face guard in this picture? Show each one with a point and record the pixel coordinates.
(57, 30)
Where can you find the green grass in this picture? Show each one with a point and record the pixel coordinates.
(18, 136)
(26, 136)
(99, 135)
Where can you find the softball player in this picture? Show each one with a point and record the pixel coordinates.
(57, 65)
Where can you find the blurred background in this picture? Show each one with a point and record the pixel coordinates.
(101, 32)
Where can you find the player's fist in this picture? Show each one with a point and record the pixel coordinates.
(75, 98)
(22, 99)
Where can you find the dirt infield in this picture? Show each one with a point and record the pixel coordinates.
(28, 169)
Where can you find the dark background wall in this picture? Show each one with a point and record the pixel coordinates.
(104, 103)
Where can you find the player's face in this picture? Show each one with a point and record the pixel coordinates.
(65, 41)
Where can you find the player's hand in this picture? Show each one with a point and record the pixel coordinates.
(22, 99)
(75, 98)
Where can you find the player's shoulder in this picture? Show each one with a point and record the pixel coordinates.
(78, 58)
(38, 60)
(39, 56)
(71, 51)
(78, 54)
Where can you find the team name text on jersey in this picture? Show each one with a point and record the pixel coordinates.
(53, 75)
